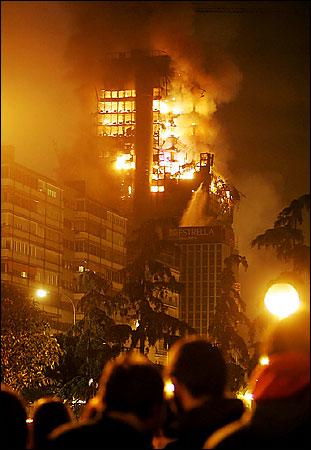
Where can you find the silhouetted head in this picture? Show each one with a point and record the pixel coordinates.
(132, 385)
(14, 430)
(49, 413)
(197, 369)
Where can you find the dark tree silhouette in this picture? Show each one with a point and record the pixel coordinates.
(148, 282)
(287, 237)
(134, 318)
(229, 317)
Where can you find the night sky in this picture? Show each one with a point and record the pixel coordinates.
(252, 56)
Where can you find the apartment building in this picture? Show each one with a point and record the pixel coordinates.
(51, 232)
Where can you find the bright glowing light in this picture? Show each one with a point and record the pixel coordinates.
(164, 109)
(169, 389)
(41, 293)
(157, 188)
(282, 300)
(213, 187)
(124, 162)
(246, 397)
(189, 175)
(177, 111)
(264, 360)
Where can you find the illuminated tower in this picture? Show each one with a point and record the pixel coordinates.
(131, 117)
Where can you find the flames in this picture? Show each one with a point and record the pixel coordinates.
(176, 126)
(125, 162)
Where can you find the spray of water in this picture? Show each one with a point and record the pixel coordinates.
(195, 213)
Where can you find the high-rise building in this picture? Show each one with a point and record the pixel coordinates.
(95, 235)
(171, 177)
(51, 232)
(202, 254)
(31, 231)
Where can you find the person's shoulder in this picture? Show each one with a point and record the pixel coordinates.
(70, 435)
(227, 433)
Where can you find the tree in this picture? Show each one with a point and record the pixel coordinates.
(28, 347)
(112, 322)
(228, 319)
(91, 342)
(148, 281)
(287, 237)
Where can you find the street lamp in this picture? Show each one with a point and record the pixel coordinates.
(282, 300)
(42, 293)
(73, 307)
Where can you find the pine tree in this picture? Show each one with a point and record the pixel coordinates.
(228, 319)
(287, 237)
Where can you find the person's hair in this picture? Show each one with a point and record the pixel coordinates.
(131, 384)
(49, 413)
(290, 334)
(13, 419)
(199, 366)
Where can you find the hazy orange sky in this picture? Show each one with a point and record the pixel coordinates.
(48, 59)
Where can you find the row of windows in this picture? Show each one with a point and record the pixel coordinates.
(19, 223)
(5, 268)
(20, 176)
(198, 272)
(31, 204)
(98, 230)
(52, 278)
(36, 205)
(116, 220)
(52, 191)
(118, 94)
(27, 249)
(48, 277)
(99, 251)
(25, 178)
(116, 130)
(91, 207)
(117, 107)
(18, 200)
(203, 247)
(98, 211)
(205, 287)
(200, 258)
(68, 244)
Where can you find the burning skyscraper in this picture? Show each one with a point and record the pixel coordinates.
(167, 172)
(154, 123)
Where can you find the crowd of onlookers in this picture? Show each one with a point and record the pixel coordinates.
(131, 410)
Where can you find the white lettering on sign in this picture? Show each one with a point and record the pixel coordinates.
(197, 231)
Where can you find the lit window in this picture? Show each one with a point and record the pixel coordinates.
(51, 193)
(24, 274)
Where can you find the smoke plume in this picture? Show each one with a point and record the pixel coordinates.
(201, 65)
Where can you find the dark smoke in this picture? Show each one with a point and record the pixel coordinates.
(200, 61)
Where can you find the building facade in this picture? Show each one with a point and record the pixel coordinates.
(49, 233)
(202, 254)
